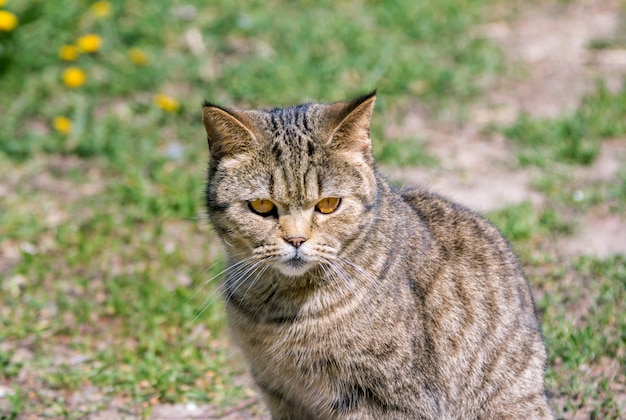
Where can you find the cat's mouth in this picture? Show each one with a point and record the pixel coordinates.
(294, 266)
(297, 262)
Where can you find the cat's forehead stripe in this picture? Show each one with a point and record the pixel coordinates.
(292, 147)
(295, 117)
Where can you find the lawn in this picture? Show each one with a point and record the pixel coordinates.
(109, 271)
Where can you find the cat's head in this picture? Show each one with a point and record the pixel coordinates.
(290, 187)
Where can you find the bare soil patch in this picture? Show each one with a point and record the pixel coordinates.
(547, 46)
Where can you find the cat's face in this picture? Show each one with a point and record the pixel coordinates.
(290, 188)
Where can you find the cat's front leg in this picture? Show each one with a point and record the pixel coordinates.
(375, 412)
(282, 409)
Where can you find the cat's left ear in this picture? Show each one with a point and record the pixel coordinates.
(228, 131)
(352, 119)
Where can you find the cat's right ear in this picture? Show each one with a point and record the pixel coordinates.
(228, 131)
(351, 121)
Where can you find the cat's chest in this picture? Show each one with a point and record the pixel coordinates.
(291, 339)
(329, 364)
(319, 360)
(326, 344)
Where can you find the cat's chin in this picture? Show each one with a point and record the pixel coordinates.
(294, 267)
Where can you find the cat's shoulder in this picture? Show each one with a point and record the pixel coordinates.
(432, 204)
(455, 227)
(443, 213)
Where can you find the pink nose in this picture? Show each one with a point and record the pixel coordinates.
(296, 240)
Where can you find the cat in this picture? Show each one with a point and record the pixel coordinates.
(352, 299)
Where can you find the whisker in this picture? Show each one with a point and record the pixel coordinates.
(217, 275)
(360, 270)
(197, 279)
(205, 283)
(336, 273)
(235, 280)
(235, 269)
(245, 276)
(256, 278)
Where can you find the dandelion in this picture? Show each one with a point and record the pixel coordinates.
(74, 77)
(138, 56)
(89, 43)
(8, 21)
(62, 124)
(101, 9)
(166, 103)
(69, 52)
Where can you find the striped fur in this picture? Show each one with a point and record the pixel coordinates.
(398, 305)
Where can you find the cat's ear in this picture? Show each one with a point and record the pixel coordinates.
(352, 123)
(228, 131)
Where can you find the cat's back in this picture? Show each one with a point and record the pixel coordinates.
(461, 234)
(470, 260)
(481, 319)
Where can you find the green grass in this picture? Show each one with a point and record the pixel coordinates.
(574, 138)
(528, 226)
(248, 55)
(524, 222)
(581, 301)
(105, 256)
(121, 276)
(403, 152)
(103, 246)
(587, 334)
(582, 307)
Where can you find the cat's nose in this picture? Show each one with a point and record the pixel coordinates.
(296, 240)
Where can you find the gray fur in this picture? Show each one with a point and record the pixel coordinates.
(398, 305)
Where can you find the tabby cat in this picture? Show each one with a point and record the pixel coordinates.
(352, 299)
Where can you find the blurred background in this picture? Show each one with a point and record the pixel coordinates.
(109, 272)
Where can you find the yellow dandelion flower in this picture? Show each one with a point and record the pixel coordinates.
(166, 103)
(69, 52)
(8, 21)
(74, 77)
(3, 2)
(138, 56)
(89, 43)
(62, 124)
(101, 9)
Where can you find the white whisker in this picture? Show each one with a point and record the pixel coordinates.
(256, 278)
(232, 270)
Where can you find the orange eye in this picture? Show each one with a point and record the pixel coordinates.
(328, 205)
(262, 207)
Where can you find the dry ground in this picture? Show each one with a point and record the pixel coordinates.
(547, 45)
